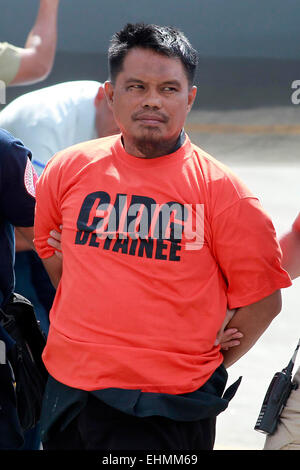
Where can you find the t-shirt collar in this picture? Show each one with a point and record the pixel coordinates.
(181, 151)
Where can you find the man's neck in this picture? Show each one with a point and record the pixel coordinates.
(142, 150)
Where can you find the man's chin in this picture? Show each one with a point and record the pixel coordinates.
(152, 145)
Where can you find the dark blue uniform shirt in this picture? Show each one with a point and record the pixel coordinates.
(17, 203)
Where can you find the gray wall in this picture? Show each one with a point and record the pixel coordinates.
(249, 48)
(219, 28)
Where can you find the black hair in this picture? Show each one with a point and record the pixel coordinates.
(161, 39)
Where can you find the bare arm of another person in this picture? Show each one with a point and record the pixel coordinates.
(53, 266)
(228, 337)
(290, 246)
(252, 321)
(54, 240)
(38, 54)
(24, 238)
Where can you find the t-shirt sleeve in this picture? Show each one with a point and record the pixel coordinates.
(10, 60)
(248, 253)
(18, 180)
(47, 213)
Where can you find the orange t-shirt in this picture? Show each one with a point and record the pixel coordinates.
(143, 311)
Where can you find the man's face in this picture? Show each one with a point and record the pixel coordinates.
(150, 99)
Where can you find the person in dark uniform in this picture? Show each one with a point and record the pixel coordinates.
(17, 204)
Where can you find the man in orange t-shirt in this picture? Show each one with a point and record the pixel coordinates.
(158, 239)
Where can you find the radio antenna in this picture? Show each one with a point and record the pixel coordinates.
(288, 369)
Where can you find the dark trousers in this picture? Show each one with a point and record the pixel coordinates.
(101, 427)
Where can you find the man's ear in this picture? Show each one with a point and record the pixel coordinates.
(109, 92)
(191, 97)
(100, 95)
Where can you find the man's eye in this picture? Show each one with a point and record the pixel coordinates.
(135, 87)
(169, 89)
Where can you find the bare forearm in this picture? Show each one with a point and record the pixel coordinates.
(290, 246)
(37, 56)
(43, 35)
(24, 238)
(252, 321)
(53, 266)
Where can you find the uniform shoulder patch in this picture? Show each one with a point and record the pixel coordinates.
(30, 178)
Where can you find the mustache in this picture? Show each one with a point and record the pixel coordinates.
(155, 115)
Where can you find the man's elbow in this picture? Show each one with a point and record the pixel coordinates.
(266, 309)
(275, 303)
(41, 70)
(33, 69)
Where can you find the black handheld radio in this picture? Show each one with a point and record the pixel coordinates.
(276, 397)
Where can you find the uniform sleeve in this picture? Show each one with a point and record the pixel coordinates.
(47, 215)
(10, 60)
(248, 253)
(18, 180)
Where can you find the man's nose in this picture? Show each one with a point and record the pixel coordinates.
(152, 99)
